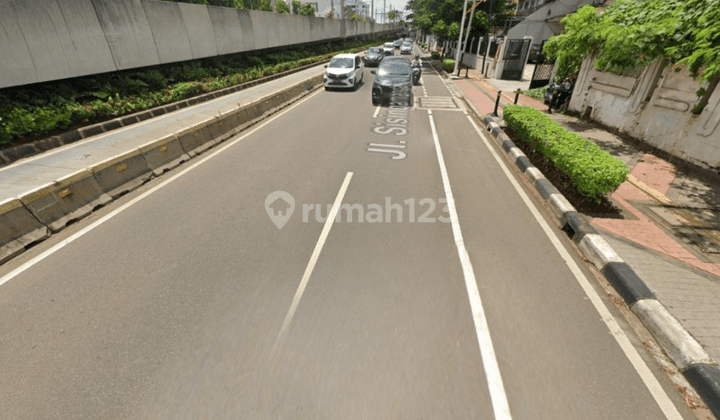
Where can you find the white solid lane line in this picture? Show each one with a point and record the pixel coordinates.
(311, 264)
(651, 382)
(16, 272)
(501, 408)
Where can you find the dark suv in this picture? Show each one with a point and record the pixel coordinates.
(393, 82)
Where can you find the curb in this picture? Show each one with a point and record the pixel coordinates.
(48, 209)
(688, 355)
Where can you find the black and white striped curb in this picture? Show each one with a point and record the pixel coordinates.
(701, 371)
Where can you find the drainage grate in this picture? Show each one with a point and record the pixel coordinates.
(440, 103)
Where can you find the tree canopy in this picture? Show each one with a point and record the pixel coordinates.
(629, 35)
(442, 17)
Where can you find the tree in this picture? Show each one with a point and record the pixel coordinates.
(282, 7)
(392, 15)
(307, 10)
(302, 9)
(442, 17)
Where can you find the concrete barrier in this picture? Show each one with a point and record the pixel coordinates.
(164, 154)
(18, 229)
(66, 200)
(122, 173)
(198, 138)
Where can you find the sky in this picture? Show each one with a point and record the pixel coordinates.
(398, 5)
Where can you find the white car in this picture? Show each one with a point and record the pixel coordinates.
(406, 48)
(344, 71)
(388, 48)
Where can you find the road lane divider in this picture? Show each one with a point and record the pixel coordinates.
(164, 154)
(501, 407)
(68, 199)
(311, 265)
(123, 173)
(20, 228)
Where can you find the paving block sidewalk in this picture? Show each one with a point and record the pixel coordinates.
(669, 232)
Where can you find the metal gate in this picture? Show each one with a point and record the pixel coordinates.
(541, 75)
(515, 56)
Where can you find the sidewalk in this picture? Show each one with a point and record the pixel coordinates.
(669, 233)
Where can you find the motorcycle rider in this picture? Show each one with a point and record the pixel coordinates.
(416, 68)
(416, 62)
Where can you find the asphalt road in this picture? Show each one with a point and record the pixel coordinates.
(184, 300)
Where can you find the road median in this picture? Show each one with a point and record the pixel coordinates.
(41, 211)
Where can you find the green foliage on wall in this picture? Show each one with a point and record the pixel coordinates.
(631, 34)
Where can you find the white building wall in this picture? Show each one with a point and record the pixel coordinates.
(655, 107)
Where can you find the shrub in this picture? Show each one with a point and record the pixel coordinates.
(448, 65)
(183, 90)
(593, 171)
(154, 79)
(536, 93)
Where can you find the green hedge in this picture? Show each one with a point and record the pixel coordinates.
(594, 171)
(537, 93)
(35, 111)
(448, 64)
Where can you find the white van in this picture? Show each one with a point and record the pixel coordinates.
(344, 71)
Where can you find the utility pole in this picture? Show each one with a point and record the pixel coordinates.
(384, 14)
(462, 26)
(467, 32)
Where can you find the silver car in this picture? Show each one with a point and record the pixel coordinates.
(343, 71)
(406, 48)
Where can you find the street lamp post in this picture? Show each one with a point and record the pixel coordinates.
(467, 32)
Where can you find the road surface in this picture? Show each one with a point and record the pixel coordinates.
(450, 297)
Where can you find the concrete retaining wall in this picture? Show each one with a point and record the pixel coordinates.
(655, 107)
(44, 40)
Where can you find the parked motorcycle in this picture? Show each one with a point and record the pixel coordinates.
(557, 94)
